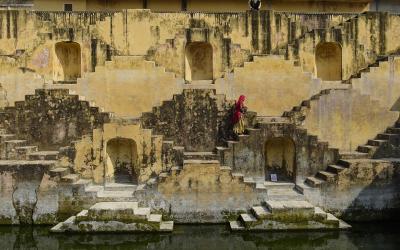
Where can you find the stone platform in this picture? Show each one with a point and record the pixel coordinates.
(285, 209)
(115, 217)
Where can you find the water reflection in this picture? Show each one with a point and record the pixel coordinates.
(376, 236)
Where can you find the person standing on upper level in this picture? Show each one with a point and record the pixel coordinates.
(238, 119)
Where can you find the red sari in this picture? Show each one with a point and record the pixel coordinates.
(237, 118)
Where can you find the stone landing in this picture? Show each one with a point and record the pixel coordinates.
(115, 217)
(285, 209)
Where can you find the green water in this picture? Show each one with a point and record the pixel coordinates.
(363, 236)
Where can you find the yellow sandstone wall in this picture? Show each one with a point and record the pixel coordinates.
(382, 83)
(93, 162)
(113, 5)
(319, 6)
(272, 85)
(127, 86)
(55, 5)
(347, 119)
(208, 5)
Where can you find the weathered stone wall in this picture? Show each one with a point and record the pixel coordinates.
(271, 84)
(202, 193)
(249, 156)
(126, 86)
(163, 39)
(28, 194)
(209, 5)
(52, 118)
(347, 119)
(191, 119)
(381, 83)
(367, 189)
(92, 160)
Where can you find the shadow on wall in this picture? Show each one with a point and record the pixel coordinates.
(280, 158)
(198, 61)
(366, 191)
(67, 62)
(122, 160)
(328, 61)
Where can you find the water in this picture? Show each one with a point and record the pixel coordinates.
(208, 237)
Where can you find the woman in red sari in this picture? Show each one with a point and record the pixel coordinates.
(238, 119)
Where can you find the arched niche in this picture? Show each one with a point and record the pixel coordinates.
(280, 158)
(328, 61)
(67, 64)
(198, 61)
(122, 160)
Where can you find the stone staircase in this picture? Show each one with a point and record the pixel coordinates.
(286, 215)
(384, 146)
(115, 217)
(261, 128)
(14, 149)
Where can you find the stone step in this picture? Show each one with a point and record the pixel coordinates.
(200, 156)
(376, 143)
(7, 137)
(120, 187)
(247, 219)
(70, 178)
(236, 225)
(294, 207)
(253, 131)
(284, 194)
(82, 216)
(344, 163)
(260, 187)
(326, 176)
(366, 149)
(24, 151)
(352, 155)
(155, 218)
(8, 149)
(387, 137)
(335, 169)
(250, 181)
(200, 162)
(261, 212)
(142, 212)
(166, 226)
(114, 211)
(238, 176)
(24, 163)
(44, 155)
(319, 214)
(82, 183)
(393, 130)
(279, 185)
(59, 172)
(115, 195)
(314, 182)
(331, 219)
(92, 190)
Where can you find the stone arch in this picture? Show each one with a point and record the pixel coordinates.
(122, 160)
(328, 61)
(198, 61)
(280, 158)
(67, 64)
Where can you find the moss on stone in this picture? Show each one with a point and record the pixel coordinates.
(231, 215)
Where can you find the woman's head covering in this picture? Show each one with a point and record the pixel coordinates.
(238, 109)
(241, 99)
